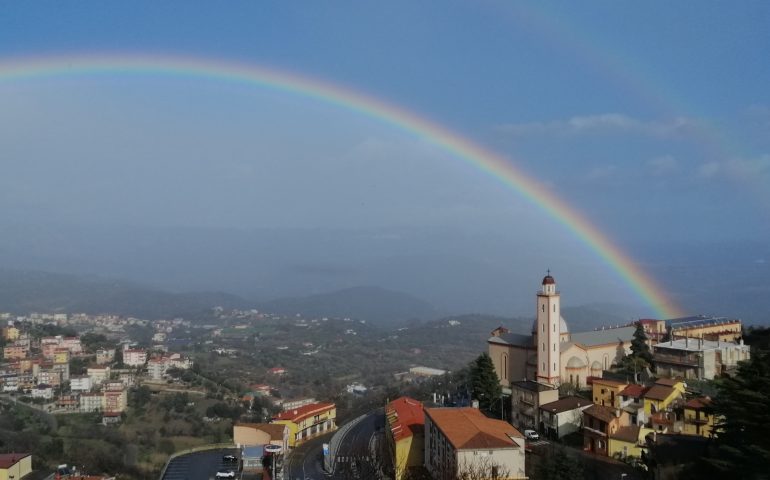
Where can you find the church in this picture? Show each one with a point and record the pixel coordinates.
(551, 354)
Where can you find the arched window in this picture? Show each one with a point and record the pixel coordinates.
(544, 307)
(606, 361)
(504, 365)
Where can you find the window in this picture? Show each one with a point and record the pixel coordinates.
(554, 366)
(544, 307)
(554, 308)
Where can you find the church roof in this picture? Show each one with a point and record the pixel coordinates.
(514, 339)
(575, 362)
(603, 337)
(562, 325)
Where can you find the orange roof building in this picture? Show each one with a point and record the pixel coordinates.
(406, 434)
(308, 421)
(464, 439)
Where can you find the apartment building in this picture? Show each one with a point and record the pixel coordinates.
(464, 441)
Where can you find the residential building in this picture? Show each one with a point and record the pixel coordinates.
(461, 440)
(564, 416)
(662, 395)
(552, 354)
(11, 333)
(698, 358)
(90, 402)
(14, 352)
(68, 402)
(15, 465)
(607, 391)
(628, 441)
(599, 423)
(405, 434)
(43, 391)
(296, 403)
(697, 418)
(61, 355)
(700, 326)
(114, 400)
(49, 377)
(248, 434)
(426, 372)
(632, 401)
(526, 398)
(81, 383)
(105, 356)
(156, 368)
(308, 421)
(98, 374)
(134, 357)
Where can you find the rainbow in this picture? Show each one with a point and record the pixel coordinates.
(464, 149)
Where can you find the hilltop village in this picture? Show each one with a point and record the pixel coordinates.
(633, 400)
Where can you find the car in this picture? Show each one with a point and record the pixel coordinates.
(229, 458)
(225, 474)
(531, 435)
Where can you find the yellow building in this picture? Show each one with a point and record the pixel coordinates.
(607, 392)
(15, 465)
(11, 333)
(661, 395)
(628, 441)
(308, 421)
(61, 355)
(697, 419)
(406, 434)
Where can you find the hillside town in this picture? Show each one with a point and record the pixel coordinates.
(627, 394)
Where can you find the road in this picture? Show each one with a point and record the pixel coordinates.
(306, 460)
(199, 465)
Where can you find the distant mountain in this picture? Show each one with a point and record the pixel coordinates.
(379, 306)
(33, 291)
(588, 317)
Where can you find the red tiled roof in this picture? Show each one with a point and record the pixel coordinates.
(7, 460)
(669, 382)
(405, 417)
(298, 414)
(468, 429)
(698, 403)
(634, 390)
(602, 412)
(658, 392)
(607, 381)
(628, 434)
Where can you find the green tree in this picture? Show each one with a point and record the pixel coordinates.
(742, 446)
(558, 465)
(639, 346)
(485, 386)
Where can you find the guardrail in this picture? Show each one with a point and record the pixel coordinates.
(337, 438)
(200, 448)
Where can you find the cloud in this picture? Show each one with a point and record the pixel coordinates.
(601, 123)
(737, 168)
(663, 165)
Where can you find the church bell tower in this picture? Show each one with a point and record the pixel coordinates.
(548, 332)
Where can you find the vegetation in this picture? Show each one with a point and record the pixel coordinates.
(484, 384)
(558, 465)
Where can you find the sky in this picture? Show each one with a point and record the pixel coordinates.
(650, 118)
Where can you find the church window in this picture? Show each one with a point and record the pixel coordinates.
(554, 308)
(554, 347)
(544, 307)
(554, 328)
(543, 346)
(544, 366)
(554, 366)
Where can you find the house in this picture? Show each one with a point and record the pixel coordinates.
(698, 358)
(632, 401)
(607, 391)
(629, 441)
(134, 357)
(700, 326)
(43, 391)
(90, 402)
(405, 434)
(14, 352)
(105, 356)
(461, 440)
(526, 398)
(111, 418)
(156, 368)
(15, 465)
(308, 421)
(98, 374)
(564, 416)
(697, 418)
(80, 383)
(277, 371)
(599, 423)
(662, 395)
(247, 434)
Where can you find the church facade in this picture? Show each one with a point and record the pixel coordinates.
(551, 354)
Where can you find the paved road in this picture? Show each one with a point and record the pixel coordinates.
(355, 447)
(306, 461)
(200, 465)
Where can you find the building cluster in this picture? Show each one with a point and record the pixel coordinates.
(621, 417)
(40, 368)
(452, 443)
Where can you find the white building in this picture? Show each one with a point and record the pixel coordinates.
(156, 368)
(43, 391)
(134, 357)
(105, 356)
(564, 416)
(81, 383)
(91, 402)
(98, 375)
(698, 358)
(461, 440)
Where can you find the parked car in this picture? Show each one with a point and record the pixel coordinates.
(225, 474)
(229, 458)
(531, 435)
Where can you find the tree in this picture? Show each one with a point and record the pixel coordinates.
(639, 346)
(558, 465)
(485, 386)
(742, 446)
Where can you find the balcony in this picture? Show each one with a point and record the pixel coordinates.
(690, 361)
(594, 431)
(696, 421)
